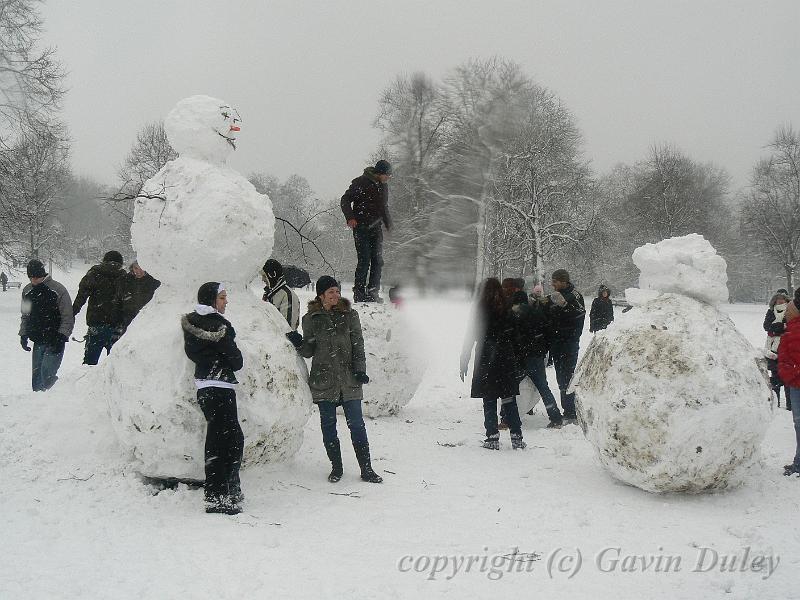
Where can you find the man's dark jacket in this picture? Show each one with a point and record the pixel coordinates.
(566, 323)
(132, 294)
(532, 328)
(367, 200)
(99, 286)
(210, 343)
(46, 312)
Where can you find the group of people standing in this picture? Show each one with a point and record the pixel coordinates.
(783, 359)
(514, 336)
(115, 297)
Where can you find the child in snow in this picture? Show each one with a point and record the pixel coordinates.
(333, 341)
(210, 343)
(789, 371)
(495, 374)
(774, 323)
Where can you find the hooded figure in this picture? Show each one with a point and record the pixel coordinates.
(601, 314)
(279, 294)
(210, 343)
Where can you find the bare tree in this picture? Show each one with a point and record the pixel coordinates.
(31, 80)
(33, 173)
(771, 211)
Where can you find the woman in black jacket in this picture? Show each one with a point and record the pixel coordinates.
(210, 343)
(495, 374)
(602, 313)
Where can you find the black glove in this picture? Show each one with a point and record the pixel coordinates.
(361, 377)
(777, 328)
(23, 341)
(295, 338)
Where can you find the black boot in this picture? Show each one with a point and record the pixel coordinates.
(359, 294)
(362, 454)
(335, 455)
(373, 295)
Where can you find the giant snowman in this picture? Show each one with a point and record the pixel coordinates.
(671, 395)
(198, 220)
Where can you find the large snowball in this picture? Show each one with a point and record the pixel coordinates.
(393, 369)
(686, 265)
(673, 397)
(197, 221)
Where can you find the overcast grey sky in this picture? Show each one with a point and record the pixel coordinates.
(714, 78)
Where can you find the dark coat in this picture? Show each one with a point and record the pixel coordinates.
(132, 294)
(210, 343)
(367, 200)
(601, 315)
(46, 312)
(99, 286)
(532, 328)
(495, 369)
(566, 322)
(332, 339)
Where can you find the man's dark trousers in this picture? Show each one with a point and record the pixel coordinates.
(369, 249)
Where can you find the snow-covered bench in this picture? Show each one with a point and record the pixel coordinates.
(14, 284)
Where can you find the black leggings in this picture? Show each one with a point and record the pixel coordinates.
(224, 440)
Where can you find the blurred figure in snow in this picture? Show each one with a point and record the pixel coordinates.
(602, 313)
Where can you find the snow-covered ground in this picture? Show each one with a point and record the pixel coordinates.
(78, 523)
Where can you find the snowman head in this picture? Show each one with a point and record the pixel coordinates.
(204, 128)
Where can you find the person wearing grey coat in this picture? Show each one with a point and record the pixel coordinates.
(332, 339)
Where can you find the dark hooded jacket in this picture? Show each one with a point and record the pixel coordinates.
(495, 372)
(332, 339)
(132, 294)
(566, 322)
(367, 200)
(210, 343)
(602, 313)
(99, 286)
(46, 312)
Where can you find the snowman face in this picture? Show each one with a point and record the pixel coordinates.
(230, 126)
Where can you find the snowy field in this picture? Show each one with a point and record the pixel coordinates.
(452, 520)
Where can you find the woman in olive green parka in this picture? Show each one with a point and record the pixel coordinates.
(333, 341)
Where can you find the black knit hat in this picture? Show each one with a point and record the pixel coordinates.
(325, 283)
(112, 256)
(208, 292)
(35, 268)
(382, 167)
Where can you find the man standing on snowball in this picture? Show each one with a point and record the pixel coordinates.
(210, 343)
(47, 321)
(365, 206)
(567, 314)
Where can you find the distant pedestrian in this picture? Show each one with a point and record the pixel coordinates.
(278, 292)
(332, 339)
(99, 287)
(47, 321)
(602, 313)
(210, 343)
(775, 324)
(567, 313)
(365, 206)
(494, 375)
(134, 290)
(4, 280)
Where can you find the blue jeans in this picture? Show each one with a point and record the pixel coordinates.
(355, 421)
(97, 338)
(795, 396)
(45, 366)
(565, 359)
(535, 368)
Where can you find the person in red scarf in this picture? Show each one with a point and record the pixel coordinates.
(789, 372)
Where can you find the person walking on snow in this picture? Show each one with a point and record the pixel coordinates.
(365, 206)
(567, 313)
(775, 325)
(332, 339)
(47, 321)
(99, 287)
(494, 375)
(210, 343)
(4, 280)
(789, 372)
(278, 293)
(602, 313)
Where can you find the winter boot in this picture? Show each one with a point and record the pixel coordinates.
(517, 443)
(362, 454)
(492, 442)
(373, 295)
(221, 504)
(235, 488)
(335, 455)
(359, 294)
(555, 424)
(789, 470)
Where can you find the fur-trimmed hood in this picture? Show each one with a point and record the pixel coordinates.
(200, 333)
(315, 306)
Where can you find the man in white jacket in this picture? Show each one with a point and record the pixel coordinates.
(277, 292)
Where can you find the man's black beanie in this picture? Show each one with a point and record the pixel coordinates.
(113, 256)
